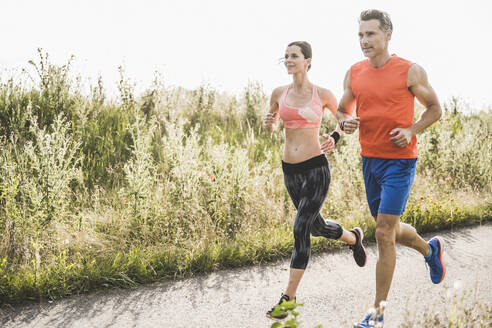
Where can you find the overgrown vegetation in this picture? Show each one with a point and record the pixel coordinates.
(99, 192)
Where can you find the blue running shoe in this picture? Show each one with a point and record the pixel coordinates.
(436, 266)
(372, 320)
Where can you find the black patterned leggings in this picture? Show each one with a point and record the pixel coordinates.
(307, 184)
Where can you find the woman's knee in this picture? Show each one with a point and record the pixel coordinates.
(302, 224)
(300, 231)
(327, 228)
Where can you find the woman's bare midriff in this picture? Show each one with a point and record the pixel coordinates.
(301, 145)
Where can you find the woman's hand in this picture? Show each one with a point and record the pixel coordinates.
(271, 122)
(329, 145)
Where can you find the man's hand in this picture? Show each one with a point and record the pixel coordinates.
(329, 145)
(270, 121)
(350, 125)
(401, 137)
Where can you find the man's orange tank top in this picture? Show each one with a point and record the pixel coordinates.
(383, 102)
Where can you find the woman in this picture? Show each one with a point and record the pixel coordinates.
(306, 170)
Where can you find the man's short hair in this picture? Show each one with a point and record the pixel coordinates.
(382, 16)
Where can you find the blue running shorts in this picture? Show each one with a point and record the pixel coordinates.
(388, 183)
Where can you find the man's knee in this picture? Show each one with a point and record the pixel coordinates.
(404, 229)
(386, 230)
(385, 236)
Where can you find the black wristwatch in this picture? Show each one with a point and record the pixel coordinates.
(336, 136)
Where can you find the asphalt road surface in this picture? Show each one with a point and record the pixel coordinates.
(335, 292)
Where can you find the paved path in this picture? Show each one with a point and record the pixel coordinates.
(335, 292)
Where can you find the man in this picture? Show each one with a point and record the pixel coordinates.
(383, 88)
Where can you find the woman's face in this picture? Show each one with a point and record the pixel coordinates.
(294, 60)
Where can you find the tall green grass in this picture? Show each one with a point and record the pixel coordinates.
(99, 192)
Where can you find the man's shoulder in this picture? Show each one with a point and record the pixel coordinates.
(359, 67)
(402, 61)
(360, 64)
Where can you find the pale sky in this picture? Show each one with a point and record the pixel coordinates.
(228, 43)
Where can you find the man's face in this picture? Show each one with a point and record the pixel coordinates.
(373, 40)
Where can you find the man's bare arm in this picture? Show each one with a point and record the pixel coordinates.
(329, 101)
(346, 107)
(419, 85)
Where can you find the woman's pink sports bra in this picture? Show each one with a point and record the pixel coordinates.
(306, 117)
